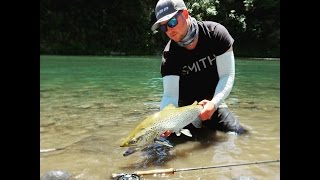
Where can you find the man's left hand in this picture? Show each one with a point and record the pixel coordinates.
(207, 111)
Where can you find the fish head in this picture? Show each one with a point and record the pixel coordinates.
(143, 134)
(139, 139)
(132, 142)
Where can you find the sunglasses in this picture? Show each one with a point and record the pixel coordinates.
(171, 23)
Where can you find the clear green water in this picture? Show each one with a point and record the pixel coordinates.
(88, 104)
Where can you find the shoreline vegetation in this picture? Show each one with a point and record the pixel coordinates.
(123, 28)
(267, 59)
(152, 56)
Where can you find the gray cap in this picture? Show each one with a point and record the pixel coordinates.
(166, 9)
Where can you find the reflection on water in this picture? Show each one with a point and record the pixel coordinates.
(158, 154)
(88, 104)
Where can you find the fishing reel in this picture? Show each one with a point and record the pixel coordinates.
(128, 177)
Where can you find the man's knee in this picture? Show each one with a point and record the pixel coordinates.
(228, 122)
(224, 120)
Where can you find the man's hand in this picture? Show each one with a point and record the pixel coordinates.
(166, 134)
(207, 111)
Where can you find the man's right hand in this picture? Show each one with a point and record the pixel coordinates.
(166, 134)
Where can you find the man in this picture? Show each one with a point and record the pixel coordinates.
(197, 65)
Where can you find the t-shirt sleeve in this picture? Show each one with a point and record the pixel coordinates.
(169, 63)
(220, 38)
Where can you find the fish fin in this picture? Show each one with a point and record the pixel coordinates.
(186, 132)
(178, 133)
(169, 106)
(163, 143)
(195, 103)
(197, 123)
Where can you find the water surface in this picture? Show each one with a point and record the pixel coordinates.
(89, 103)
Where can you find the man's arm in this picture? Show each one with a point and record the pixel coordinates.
(226, 71)
(170, 94)
(170, 91)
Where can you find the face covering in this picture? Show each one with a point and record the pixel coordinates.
(191, 34)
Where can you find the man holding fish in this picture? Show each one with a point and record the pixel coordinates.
(197, 65)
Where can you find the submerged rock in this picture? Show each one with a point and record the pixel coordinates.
(56, 175)
(244, 178)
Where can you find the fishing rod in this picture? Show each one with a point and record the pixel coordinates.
(136, 174)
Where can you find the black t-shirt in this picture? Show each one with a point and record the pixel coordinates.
(197, 68)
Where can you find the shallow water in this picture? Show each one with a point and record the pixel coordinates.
(89, 103)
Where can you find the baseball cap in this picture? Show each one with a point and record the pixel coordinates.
(166, 9)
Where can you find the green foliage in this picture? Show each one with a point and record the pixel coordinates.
(123, 26)
(203, 9)
(254, 24)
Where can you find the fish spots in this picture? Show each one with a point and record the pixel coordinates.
(169, 119)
